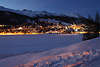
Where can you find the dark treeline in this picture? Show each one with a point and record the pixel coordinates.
(92, 27)
(11, 18)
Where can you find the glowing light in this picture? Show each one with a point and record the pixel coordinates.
(2, 25)
(19, 33)
(86, 53)
(20, 28)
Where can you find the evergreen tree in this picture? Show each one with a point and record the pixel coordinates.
(97, 22)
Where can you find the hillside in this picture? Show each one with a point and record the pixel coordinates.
(39, 19)
(10, 18)
(22, 16)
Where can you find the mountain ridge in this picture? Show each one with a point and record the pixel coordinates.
(29, 13)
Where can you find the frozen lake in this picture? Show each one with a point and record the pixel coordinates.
(20, 44)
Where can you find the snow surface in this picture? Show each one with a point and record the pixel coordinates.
(19, 44)
(83, 54)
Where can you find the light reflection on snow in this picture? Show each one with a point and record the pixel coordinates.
(81, 59)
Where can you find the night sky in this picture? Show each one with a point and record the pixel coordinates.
(83, 7)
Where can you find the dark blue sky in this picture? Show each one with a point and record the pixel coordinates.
(83, 7)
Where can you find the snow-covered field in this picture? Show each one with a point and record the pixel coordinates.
(21, 44)
(59, 53)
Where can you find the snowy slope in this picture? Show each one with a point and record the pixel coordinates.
(9, 10)
(20, 44)
(29, 13)
(44, 14)
(84, 54)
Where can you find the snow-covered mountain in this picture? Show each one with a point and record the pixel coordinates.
(34, 15)
(29, 13)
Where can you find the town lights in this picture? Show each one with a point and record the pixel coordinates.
(20, 28)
